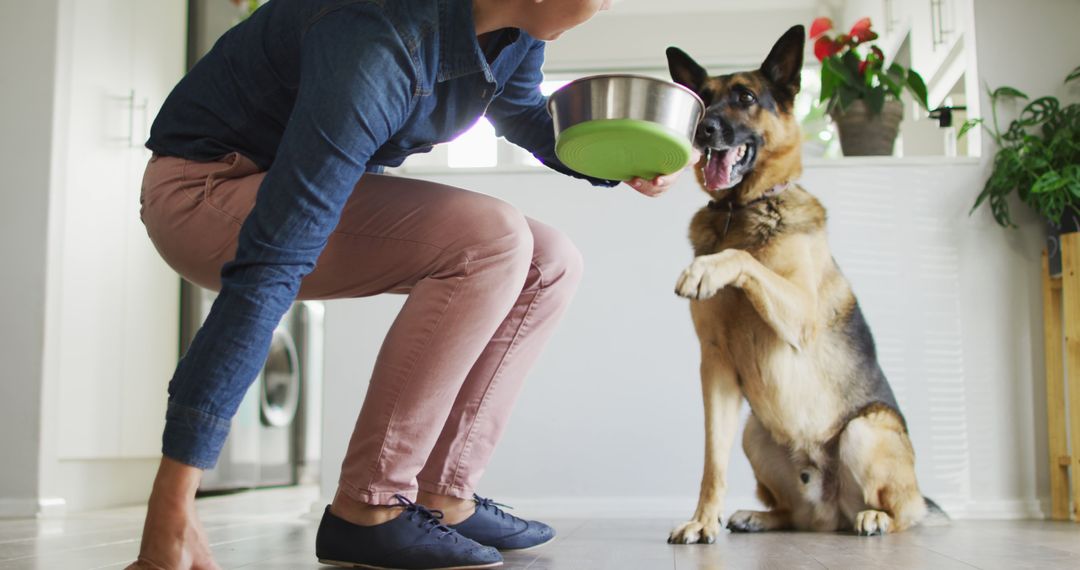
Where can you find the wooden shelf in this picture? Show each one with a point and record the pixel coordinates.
(1061, 322)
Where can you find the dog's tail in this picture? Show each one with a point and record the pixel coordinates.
(935, 515)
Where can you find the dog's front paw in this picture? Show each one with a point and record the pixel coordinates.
(708, 274)
(693, 532)
(695, 283)
(871, 523)
(746, 521)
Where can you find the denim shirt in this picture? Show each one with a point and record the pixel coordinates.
(317, 92)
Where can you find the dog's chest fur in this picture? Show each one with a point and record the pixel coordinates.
(787, 389)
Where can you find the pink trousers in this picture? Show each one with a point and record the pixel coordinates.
(486, 287)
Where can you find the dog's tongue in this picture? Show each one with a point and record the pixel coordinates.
(718, 169)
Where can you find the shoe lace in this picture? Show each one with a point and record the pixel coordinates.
(488, 504)
(429, 520)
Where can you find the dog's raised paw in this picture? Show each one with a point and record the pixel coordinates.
(694, 532)
(872, 523)
(708, 274)
(696, 282)
(745, 521)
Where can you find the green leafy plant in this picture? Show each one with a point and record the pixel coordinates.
(848, 75)
(1038, 155)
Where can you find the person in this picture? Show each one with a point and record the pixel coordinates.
(265, 185)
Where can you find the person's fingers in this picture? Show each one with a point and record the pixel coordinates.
(665, 180)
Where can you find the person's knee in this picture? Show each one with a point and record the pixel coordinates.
(558, 261)
(497, 236)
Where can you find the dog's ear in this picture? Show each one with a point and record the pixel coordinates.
(684, 70)
(784, 64)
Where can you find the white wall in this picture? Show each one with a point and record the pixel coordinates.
(617, 39)
(27, 57)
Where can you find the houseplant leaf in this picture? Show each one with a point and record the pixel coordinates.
(848, 95)
(829, 82)
(890, 84)
(1049, 182)
(918, 88)
(1074, 75)
(875, 98)
(1038, 111)
(967, 126)
(1007, 92)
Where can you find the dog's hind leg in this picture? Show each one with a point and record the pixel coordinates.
(879, 492)
(721, 395)
(777, 478)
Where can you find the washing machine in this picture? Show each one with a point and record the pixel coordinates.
(274, 436)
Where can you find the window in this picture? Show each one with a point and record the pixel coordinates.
(475, 148)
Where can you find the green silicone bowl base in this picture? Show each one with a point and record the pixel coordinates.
(621, 149)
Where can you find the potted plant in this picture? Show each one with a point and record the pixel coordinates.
(1039, 157)
(861, 94)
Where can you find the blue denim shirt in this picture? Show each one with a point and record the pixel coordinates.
(317, 92)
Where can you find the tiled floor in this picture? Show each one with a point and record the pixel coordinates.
(273, 530)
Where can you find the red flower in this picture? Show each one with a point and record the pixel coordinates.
(861, 31)
(862, 67)
(825, 47)
(820, 26)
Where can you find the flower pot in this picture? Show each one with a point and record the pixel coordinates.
(863, 133)
(1070, 222)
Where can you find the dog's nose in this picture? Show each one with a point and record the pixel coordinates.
(714, 131)
(708, 127)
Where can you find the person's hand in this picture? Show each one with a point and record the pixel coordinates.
(660, 184)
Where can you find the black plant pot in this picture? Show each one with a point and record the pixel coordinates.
(1070, 222)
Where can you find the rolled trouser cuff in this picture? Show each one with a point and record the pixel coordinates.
(192, 436)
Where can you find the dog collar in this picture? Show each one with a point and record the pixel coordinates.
(731, 206)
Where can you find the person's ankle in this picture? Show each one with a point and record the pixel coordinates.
(455, 509)
(360, 513)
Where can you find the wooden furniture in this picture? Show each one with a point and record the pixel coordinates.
(1061, 312)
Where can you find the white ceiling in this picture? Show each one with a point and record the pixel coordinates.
(684, 6)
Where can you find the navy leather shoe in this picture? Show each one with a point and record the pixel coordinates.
(491, 526)
(414, 540)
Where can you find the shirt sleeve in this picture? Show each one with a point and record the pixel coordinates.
(520, 115)
(355, 87)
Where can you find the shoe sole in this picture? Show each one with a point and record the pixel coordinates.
(533, 547)
(343, 564)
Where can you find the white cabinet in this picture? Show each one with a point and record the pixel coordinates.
(118, 313)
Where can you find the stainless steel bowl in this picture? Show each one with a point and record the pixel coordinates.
(620, 96)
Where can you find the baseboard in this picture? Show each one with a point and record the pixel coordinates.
(1007, 509)
(674, 508)
(31, 508)
(679, 508)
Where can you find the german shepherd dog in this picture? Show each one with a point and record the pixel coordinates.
(779, 325)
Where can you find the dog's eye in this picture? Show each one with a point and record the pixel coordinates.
(747, 98)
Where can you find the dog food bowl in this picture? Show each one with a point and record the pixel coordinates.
(620, 127)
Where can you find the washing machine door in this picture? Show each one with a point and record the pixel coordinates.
(280, 381)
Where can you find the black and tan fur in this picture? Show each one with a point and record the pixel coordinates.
(779, 325)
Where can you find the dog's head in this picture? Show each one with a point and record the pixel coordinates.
(749, 137)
